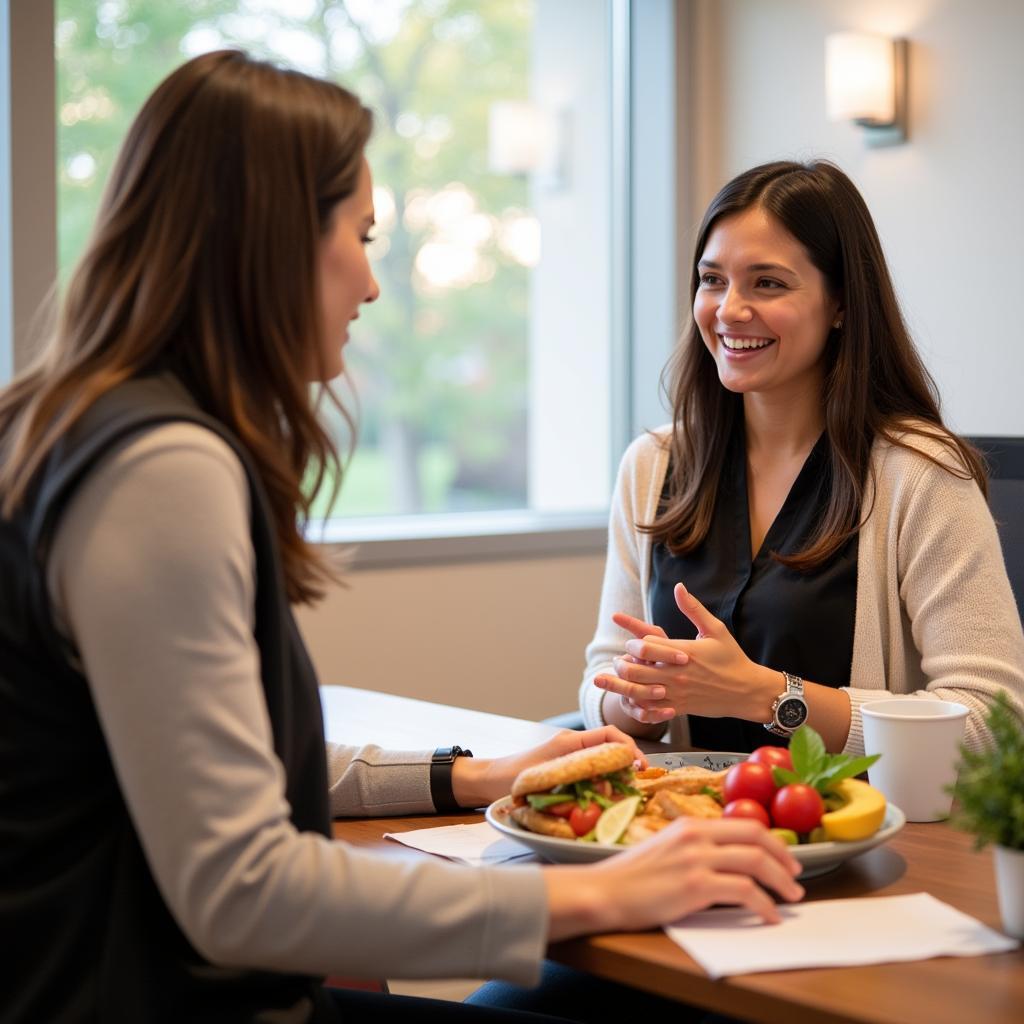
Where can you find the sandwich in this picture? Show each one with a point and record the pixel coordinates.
(564, 797)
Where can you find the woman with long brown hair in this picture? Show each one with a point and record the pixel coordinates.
(165, 791)
(807, 534)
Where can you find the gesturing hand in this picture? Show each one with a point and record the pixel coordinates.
(659, 678)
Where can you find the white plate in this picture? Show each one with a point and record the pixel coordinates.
(816, 858)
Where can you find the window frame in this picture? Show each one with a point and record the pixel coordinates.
(644, 313)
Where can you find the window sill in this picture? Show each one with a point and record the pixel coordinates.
(394, 541)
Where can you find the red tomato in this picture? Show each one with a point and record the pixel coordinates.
(562, 810)
(749, 780)
(773, 757)
(582, 821)
(797, 806)
(747, 809)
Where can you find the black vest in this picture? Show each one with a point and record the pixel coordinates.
(85, 933)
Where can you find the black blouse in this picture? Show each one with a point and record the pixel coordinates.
(801, 623)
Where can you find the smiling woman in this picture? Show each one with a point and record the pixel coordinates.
(807, 534)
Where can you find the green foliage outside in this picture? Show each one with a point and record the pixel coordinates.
(367, 481)
(439, 368)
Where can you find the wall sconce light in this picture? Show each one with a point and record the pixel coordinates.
(866, 82)
(524, 138)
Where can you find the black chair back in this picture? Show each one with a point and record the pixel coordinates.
(1006, 499)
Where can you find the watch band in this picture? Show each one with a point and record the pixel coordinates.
(441, 792)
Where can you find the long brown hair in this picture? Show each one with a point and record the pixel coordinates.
(203, 261)
(875, 383)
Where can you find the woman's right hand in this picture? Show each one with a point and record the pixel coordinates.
(688, 866)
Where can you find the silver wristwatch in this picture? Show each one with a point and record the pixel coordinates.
(789, 711)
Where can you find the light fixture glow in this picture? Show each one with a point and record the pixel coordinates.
(865, 82)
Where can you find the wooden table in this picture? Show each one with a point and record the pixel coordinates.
(922, 858)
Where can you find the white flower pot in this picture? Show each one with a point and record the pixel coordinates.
(1010, 889)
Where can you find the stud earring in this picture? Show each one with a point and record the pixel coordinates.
(838, 323)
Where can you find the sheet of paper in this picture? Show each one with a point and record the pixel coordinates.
(469, 844)
(831, 933)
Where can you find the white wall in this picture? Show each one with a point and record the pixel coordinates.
(503, 636)
(947, 203)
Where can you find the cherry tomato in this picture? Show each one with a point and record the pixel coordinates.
(746, 808)
(797, 806)
(773, 757)
(562, 810)
(582, 821)
(749, 780)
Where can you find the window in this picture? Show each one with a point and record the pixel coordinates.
(494, 378)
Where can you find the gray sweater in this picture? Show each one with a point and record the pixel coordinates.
(152, 580)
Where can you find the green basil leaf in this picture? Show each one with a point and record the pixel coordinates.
(847, 770)
(808, 753)
(817, 755)
(783, 776)
(799, 753)
(815, 766)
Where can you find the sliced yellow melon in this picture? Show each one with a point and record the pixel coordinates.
(860, 815)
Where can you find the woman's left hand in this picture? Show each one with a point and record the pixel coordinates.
(480, 781)
(710, 676)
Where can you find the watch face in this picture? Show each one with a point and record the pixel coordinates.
(791, 713)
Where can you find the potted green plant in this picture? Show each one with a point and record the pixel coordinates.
(989, 794)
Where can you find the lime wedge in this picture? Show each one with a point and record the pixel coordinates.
(613, 822)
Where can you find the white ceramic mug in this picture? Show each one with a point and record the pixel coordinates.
(919, 742)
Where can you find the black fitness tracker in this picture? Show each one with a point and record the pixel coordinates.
(441, 792)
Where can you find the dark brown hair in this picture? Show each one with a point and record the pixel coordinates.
(875, 383)
(203, 261)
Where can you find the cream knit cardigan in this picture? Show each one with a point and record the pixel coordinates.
(935, 616)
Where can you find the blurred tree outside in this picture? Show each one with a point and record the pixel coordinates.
(439, 366)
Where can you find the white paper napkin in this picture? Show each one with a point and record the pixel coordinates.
(834, 933)
(469, 844)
